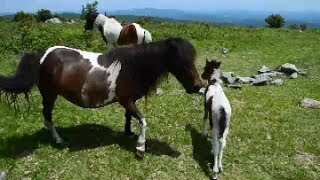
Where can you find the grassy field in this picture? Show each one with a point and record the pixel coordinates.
(271, 137)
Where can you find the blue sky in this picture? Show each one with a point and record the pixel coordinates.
(75, 5)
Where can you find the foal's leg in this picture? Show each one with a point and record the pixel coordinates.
(222, 142)
(215, 150)
(48, 102)
(204, 125)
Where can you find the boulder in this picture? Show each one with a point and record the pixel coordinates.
(245, 80)
(277, 82)
(54, 21)
(302, 72)
(235, 86)
(288, 68)
(261, 81)
(310, 103)
(264, 69)
(228, 78)
(294, 75)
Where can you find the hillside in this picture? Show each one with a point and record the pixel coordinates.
(271, 136)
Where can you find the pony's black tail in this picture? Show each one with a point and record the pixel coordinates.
(24, 79)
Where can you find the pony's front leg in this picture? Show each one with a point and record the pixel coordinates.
(127, 127)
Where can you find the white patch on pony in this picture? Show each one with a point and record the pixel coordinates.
(91, 56)
(144, 36)
(111, 28)
(113, 70)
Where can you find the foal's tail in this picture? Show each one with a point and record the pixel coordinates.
(25, 77)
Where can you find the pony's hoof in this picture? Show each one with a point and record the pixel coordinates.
(220, 169)
(130, 134)
(59, 141)
(139, 153)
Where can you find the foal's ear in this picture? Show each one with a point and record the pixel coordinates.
(207, 61)
(218, 63)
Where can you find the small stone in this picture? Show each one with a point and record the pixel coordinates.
(235, 86)
(53, 21)
(228, 78)
(280, 74)
(288, 68)
(294, 75)
(225, 50)
(302, 72)
(277, 82)
(263, 76)
(264, 69)
(159, 92)
(310, 103)
(245, 80)
(3, 175)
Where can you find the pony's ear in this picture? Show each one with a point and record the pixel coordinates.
(218, 64)
(207, 61)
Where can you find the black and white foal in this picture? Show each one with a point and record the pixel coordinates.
(218, 108)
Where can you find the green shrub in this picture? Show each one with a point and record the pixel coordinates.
(43, 15)
(294, 26)
(275, 21)
(303, 27)
(90, 7)
(21, 16)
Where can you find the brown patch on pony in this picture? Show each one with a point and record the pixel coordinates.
(128, 35)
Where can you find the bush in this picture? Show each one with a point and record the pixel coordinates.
(294, 26)
(303, 27)
(21, 16)
(142, 20)
(43, 15)
(275, 21)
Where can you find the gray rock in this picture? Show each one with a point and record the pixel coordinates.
(245, 80)
(277, 82)
(288, 69)
(3, 175)
(225, 51)
(280, 74)
(294, 75)
(302, 72)
(235, 86)
(272, 74)
(159, 92)
(263, 76)
(264, 69)
(261, 81)
(310, 103)
(228, 78)
(53, 21)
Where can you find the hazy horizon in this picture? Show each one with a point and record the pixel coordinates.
(12, 6)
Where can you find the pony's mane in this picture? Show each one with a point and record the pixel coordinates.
(150, 61)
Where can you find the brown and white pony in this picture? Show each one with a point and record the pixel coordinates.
(93, 80)
(114, 33)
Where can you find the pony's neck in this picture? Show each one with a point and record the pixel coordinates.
(100, 20)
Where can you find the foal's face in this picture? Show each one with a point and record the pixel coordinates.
(210, 69)
(90, 18)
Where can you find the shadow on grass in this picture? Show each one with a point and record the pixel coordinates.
(201, 149)
(77, 138)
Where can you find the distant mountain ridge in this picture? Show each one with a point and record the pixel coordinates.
(235, 17)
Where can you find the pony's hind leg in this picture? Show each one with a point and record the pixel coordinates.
(131, 107)
(222, 142)
(215, 151)
(127, 128)
(48, 102)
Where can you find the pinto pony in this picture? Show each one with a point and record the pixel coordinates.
(218, 107)
(113, 33)
(93, 80)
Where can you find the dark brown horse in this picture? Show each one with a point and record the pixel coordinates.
(93, 80)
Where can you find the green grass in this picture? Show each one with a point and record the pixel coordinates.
(271, 137)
